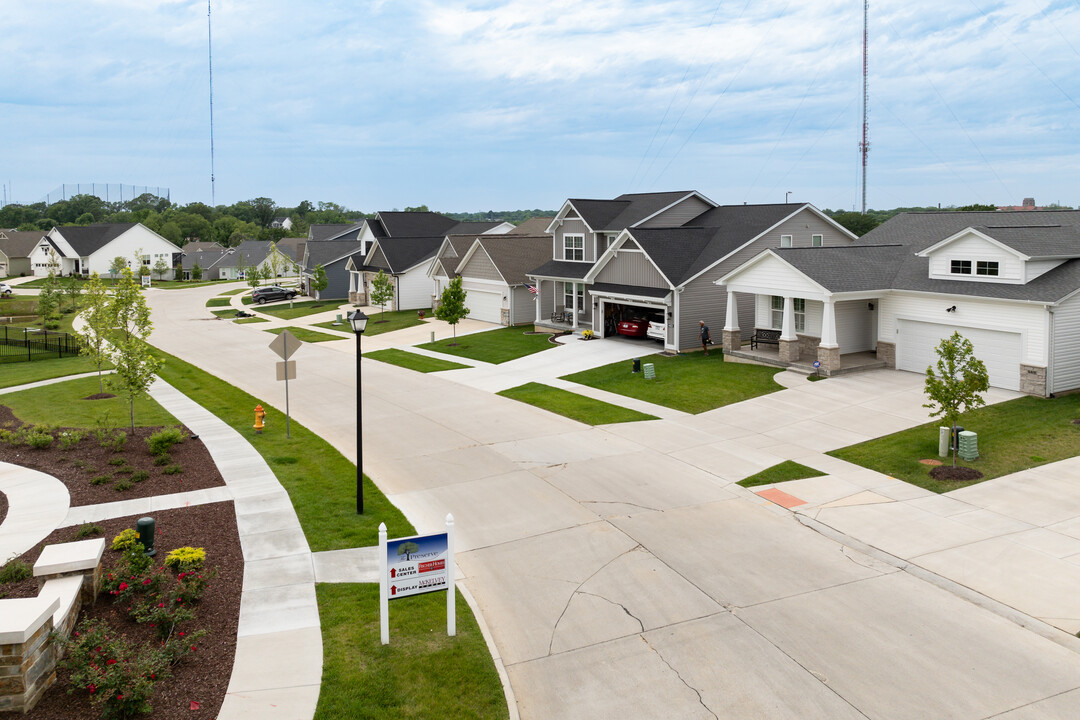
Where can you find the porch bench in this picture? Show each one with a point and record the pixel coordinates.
(764, 337)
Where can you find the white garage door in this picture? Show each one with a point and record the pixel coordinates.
(484, 305)
(1000, 351)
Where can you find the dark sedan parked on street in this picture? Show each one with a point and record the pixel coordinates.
(272, 292)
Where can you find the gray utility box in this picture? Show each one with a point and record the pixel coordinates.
(969, 445)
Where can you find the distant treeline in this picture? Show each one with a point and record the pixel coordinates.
(861, 224)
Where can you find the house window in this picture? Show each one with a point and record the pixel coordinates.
(986, 267)
(816, 240)
(777, 313)
(785, 241)
(145, 259)
(568, 297)
(573, 247)
(960, 267)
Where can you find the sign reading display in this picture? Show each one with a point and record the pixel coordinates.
(416, 565)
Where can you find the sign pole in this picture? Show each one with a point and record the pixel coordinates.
(451, 591)
(285, 348)
(384, 604)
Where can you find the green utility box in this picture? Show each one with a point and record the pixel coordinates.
(650, 371)
(969, 445)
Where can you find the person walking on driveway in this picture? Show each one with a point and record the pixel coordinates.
(706, 340)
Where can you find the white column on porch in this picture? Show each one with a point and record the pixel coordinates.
(573, 291)
(539, 300)
(352, 282)
(787, 330)
(828, 324)
(731, 321)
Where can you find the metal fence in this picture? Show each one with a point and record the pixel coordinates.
(24, 344)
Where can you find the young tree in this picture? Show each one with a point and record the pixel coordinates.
(135, 366)
(161, 267)
(49, 299)
(73, 289)
(266, 274)
(957, 384)
(118, 265)
(97, 325)
(452, 305)
(382, 292)
(196, 272)
(253, 276)
(274, 260)
(319, 280)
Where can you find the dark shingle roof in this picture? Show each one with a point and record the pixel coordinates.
(205, 258)
(416, 224)
(320, 233)
(532, 226)
(252, 252)
(325, 252)
(402, 253)
(515, 255)
(293, 247)
(639, 290)
(466, 228)
(625, 210)
(19, 244)
(1037, 241)
(562, 269)
(459, 245)
(850, 268)
(201, 246)
(88, 239)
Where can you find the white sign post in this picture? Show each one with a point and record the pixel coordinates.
(413, 566)
(285, 345)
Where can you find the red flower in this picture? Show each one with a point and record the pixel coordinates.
(120, 696)
(110, 662)
(124, 585)
(161, 605)
(181, 633)
(192, 648)
(153, 676)
(92, 688)
(146, 581)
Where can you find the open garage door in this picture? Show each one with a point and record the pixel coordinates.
(631, 320)
(999, 350)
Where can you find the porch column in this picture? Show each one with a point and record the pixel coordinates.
(732, 334)
(828, 350)
(539, 298)
(573, 292)
(789, 341)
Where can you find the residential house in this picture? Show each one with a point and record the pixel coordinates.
(329, 246)
(205, 259)
(16, 247)
(282, 222)
(1007, 281)
(201, 245)
(86, 249)
(494, 274)
(237, 262)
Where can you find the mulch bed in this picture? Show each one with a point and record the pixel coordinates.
(955, 474)
(203, 677)
(88, 459)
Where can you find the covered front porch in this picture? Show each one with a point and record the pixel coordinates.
(561, 305)
(849, 362)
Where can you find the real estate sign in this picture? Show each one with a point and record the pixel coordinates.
(413, 566)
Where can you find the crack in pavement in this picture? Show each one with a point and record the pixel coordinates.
(681, 678)
(601, 597)
(570, 599)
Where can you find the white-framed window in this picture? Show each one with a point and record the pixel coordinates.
(777, 313)
(573, 247)
(568, 296)
(817, 240)
(146, 260)
(960, 267)
(986, 267)
(785, 241)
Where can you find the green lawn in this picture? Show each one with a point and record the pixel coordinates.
(692, 383)
(237, 291)
(1013, 436)
(787, 470)
(493, 346)
(21, 373)
(321, 483)
(412, 361)
(576, 407)
(227, 313)
(299, 309)
(306, 335)
(422, 673)
(63, 404)
(249, 320)
(218, 302)
(379, 323)
(164, 284)
(18, 306)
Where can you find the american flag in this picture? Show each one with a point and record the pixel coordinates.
(532, 289)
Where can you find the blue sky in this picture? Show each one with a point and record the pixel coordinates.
(468, 106)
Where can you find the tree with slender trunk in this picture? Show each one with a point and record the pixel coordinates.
(452, 305)
(97, 323)
(382, 292)
(958, 383)
(129, 353)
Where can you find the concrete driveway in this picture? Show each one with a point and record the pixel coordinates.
(623, 574)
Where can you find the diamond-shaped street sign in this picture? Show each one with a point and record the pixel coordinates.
(285, 345)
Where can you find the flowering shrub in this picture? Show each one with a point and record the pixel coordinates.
(125, 540)
(115, 674)
(185, 559)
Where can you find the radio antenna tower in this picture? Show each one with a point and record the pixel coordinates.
(210, 57)
(864, 146)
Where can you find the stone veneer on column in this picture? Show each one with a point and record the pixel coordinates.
(886, 352)
(732, 340)
(1033, 380)
(829, 359)
(789, 350)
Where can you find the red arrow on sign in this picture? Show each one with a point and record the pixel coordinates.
(393, 589)
(393, 572)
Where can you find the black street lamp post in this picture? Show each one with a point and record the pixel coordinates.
(358, 320)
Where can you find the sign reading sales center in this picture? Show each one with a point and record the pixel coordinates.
(415, 565)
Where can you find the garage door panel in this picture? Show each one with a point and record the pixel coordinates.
(999, 350)
(484, 305)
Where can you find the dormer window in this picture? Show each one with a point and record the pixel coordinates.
(961, 267)
(986, 267)
(573, 247)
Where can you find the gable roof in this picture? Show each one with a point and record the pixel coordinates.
(514, 255)
(88, 239)
(318, 233)
(293, 247)
(200, 246)
(476, 228)
(449, 254)
(626, 210)
(325, 252)
(532, 226)
(252, 252)
(19, 244)
(206, 258)
(415, 224)
(403, 253)
(1030, 241)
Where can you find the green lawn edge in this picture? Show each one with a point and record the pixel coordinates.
(23, 372)
(783, 472)
(320, 481)
(493, 346)
(379, 323)
(412, 361)
(445, 677)
(572, 405)
(1014, 435)
(299, 309)
(63, 404)
(306, 334)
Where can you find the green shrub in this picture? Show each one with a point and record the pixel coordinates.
(173, 470)
(88, 529)
(162, 441)
(69, 439)
(185, 559)
(119, 439)
(79, 464)
(13, 571)
(125, 470)
(101, 479)
(118, 461)
(163, 459)
(123, 484)
(126, 540)
(39, 440)
(140, 475)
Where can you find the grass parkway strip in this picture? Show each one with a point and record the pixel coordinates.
(785, 471)
(576, 407)
(306, 334)
(412, 361)
(379, 323)
(493, 346)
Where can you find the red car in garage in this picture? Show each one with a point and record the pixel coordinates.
(635, 327)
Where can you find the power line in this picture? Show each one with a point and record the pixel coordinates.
(864, 146)
(210, 59)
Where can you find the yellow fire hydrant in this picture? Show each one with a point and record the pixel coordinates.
(259, 415)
